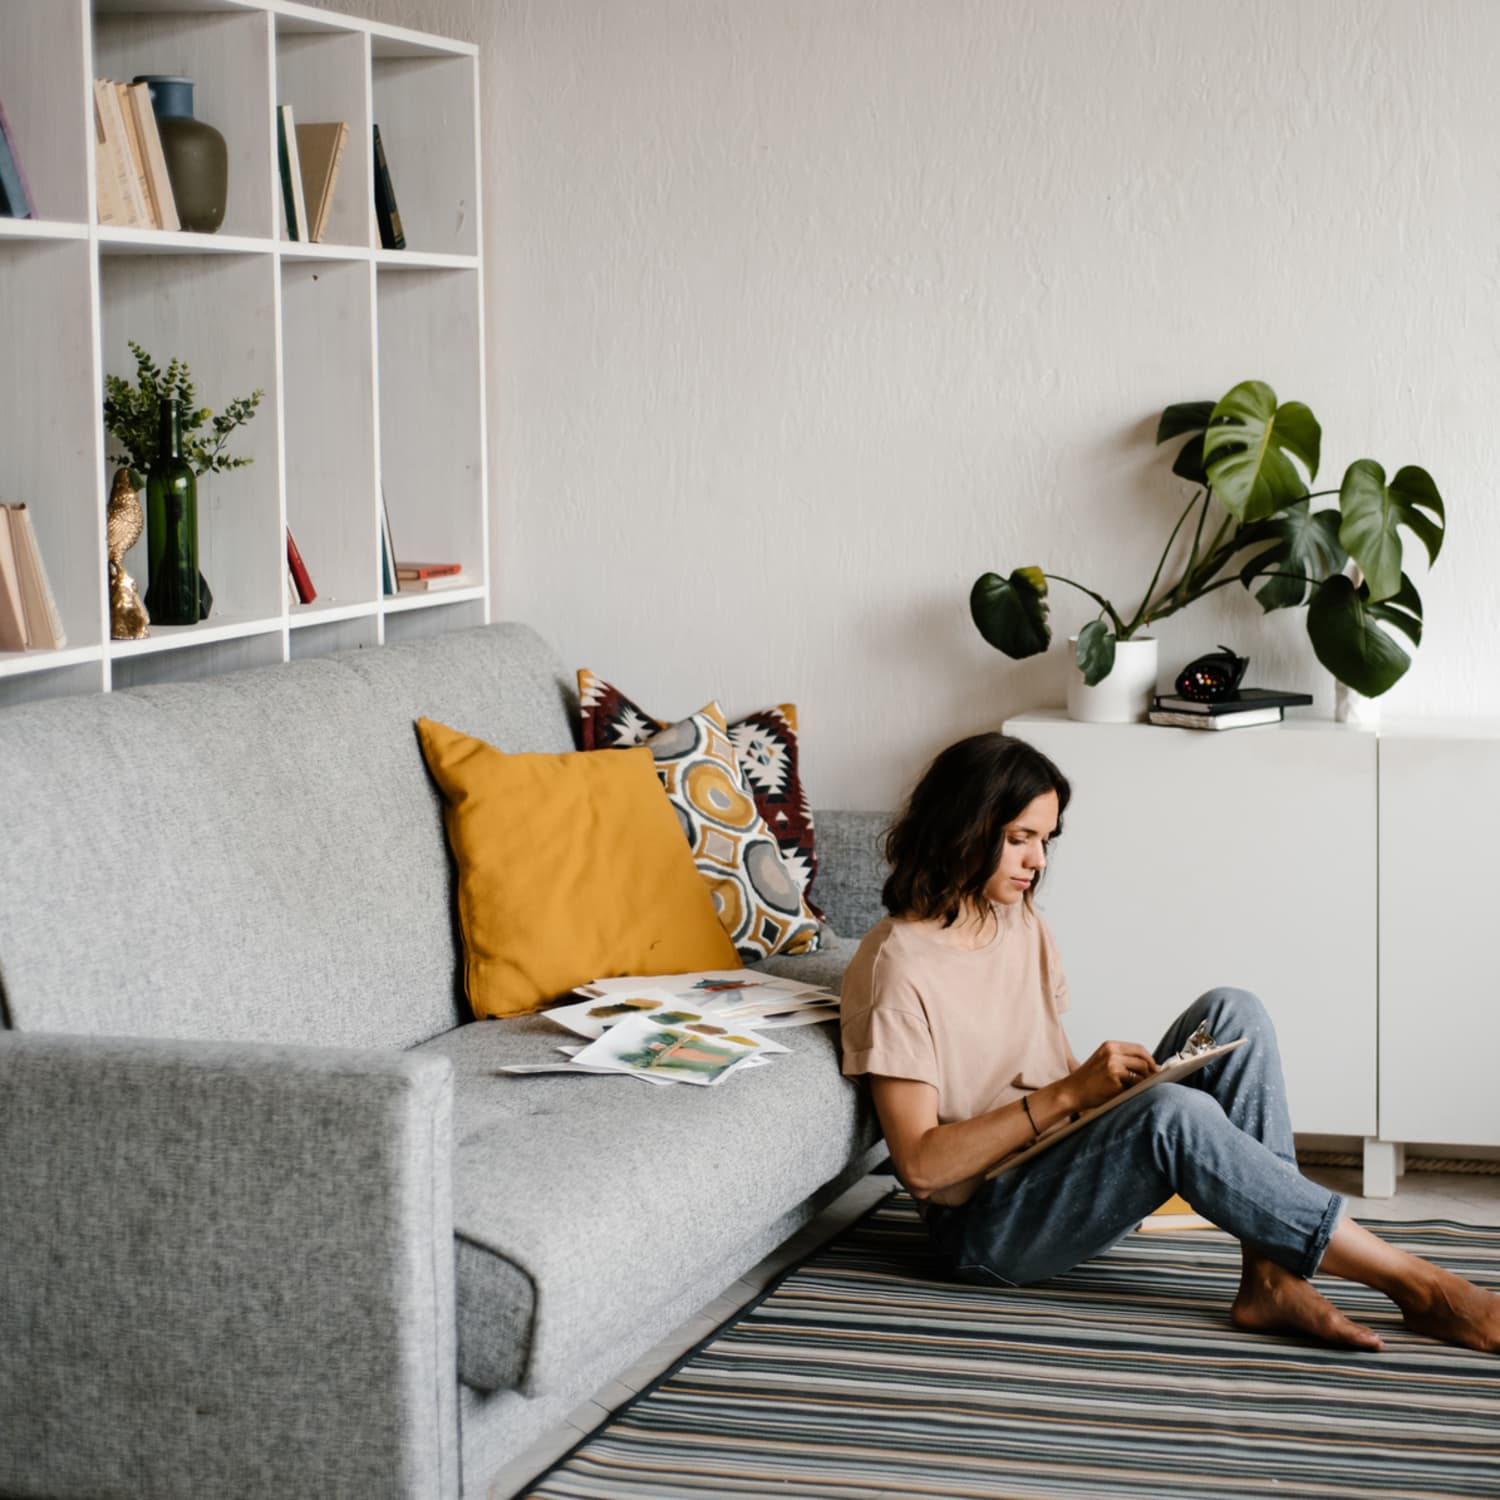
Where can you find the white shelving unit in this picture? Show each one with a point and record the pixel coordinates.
(371, 360)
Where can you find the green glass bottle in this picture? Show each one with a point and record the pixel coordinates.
(172, 526)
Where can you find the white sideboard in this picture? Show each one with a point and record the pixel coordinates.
(1439, 924)
(1247, 858)
(1341, 873)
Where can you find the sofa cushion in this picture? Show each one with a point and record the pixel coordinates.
(287, 812)
(765, 743)
(552, 1243)
(570, 868)
(756, 895)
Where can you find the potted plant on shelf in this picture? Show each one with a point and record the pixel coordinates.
(1256, 525)
(157, 422)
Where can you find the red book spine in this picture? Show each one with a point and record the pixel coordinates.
(300, 576)
(427, 570)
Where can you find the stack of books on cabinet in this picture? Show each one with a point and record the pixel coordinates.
(333, 311)
(1240, 710)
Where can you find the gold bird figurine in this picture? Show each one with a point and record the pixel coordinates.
(124, 523)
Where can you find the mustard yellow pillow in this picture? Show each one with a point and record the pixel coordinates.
(570, 868)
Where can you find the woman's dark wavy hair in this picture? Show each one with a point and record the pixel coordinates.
(946, 842)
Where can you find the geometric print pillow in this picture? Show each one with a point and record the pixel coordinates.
(765, 745)
(755, 894)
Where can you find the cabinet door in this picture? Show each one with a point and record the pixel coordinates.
(1245, 857)
(1439, 1017)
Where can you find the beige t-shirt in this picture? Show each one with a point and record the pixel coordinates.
(981, 1025)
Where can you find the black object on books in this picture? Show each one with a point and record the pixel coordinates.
(387, 215)
(1242, 720)
(1212, 678)
(1238, 702)
(15, 192)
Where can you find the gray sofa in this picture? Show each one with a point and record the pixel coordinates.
(270, 1222)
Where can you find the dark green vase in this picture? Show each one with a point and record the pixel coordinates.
(197, 159)
(172, 527)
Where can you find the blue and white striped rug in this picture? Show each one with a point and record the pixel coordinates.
(861, 1374)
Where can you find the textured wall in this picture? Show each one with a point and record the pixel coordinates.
(802, 314)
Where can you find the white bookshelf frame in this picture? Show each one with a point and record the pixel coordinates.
(371, 360)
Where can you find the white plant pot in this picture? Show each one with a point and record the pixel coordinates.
(1125, 695)
(1350, 707)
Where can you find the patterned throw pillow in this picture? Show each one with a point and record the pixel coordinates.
(765, 744)
(755, 893)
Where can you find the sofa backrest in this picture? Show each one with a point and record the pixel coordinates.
(259, 856)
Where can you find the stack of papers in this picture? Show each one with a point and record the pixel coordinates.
(682, 1028)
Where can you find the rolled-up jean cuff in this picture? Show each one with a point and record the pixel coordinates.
(1331, 1216)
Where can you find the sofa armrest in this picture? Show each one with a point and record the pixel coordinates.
(228, 1269)
(851, 869)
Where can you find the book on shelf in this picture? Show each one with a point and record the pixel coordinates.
(15, 192)
(293, 201)
(13, 634)
(44, 627)
(122, 155)
(113, 167)
(1175, 1214)
(388, 578)
(459, 580)
(1246, 718)
(1189, 1060)
(135, 149)
(321, 148)
(387, 215)
(153, 159)
(407, 570)
(301, 578)
(1239, 702)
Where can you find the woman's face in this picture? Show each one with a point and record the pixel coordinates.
(1023, 855)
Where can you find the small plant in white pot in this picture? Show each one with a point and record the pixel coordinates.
(1256, 525)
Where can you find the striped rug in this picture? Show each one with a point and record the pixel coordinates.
(861, 1374)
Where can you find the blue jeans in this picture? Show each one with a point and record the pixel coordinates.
(1222, 1138)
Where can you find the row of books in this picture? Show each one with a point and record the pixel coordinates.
(309, 158)
(15, 191)
(406, 577)
(28, 612)
(133, 189)
(1241, 710)
(399, 577)
(131, 184)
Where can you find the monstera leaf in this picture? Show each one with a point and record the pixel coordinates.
(1373, 511)
(1011, 613)
(1305, 546)
(1096, 652)
(1344, 625)
(1248, 450)
(1186, 416)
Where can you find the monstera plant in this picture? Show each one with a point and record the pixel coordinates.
(1258, 524)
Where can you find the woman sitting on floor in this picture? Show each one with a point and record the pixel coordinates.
(953, 1007)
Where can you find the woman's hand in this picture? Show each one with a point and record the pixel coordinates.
(1112, 1068)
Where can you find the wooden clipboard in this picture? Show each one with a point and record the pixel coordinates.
(1169, 1072)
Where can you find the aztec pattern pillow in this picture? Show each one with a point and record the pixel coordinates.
(765, 744)
(755, 894)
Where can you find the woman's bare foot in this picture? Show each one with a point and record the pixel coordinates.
(1432, 1301)
(1454, 1310)
(1272, 1300)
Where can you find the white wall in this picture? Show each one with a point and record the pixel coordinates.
(804, 312)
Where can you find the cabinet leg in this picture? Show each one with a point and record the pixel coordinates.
(1385, 1161)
